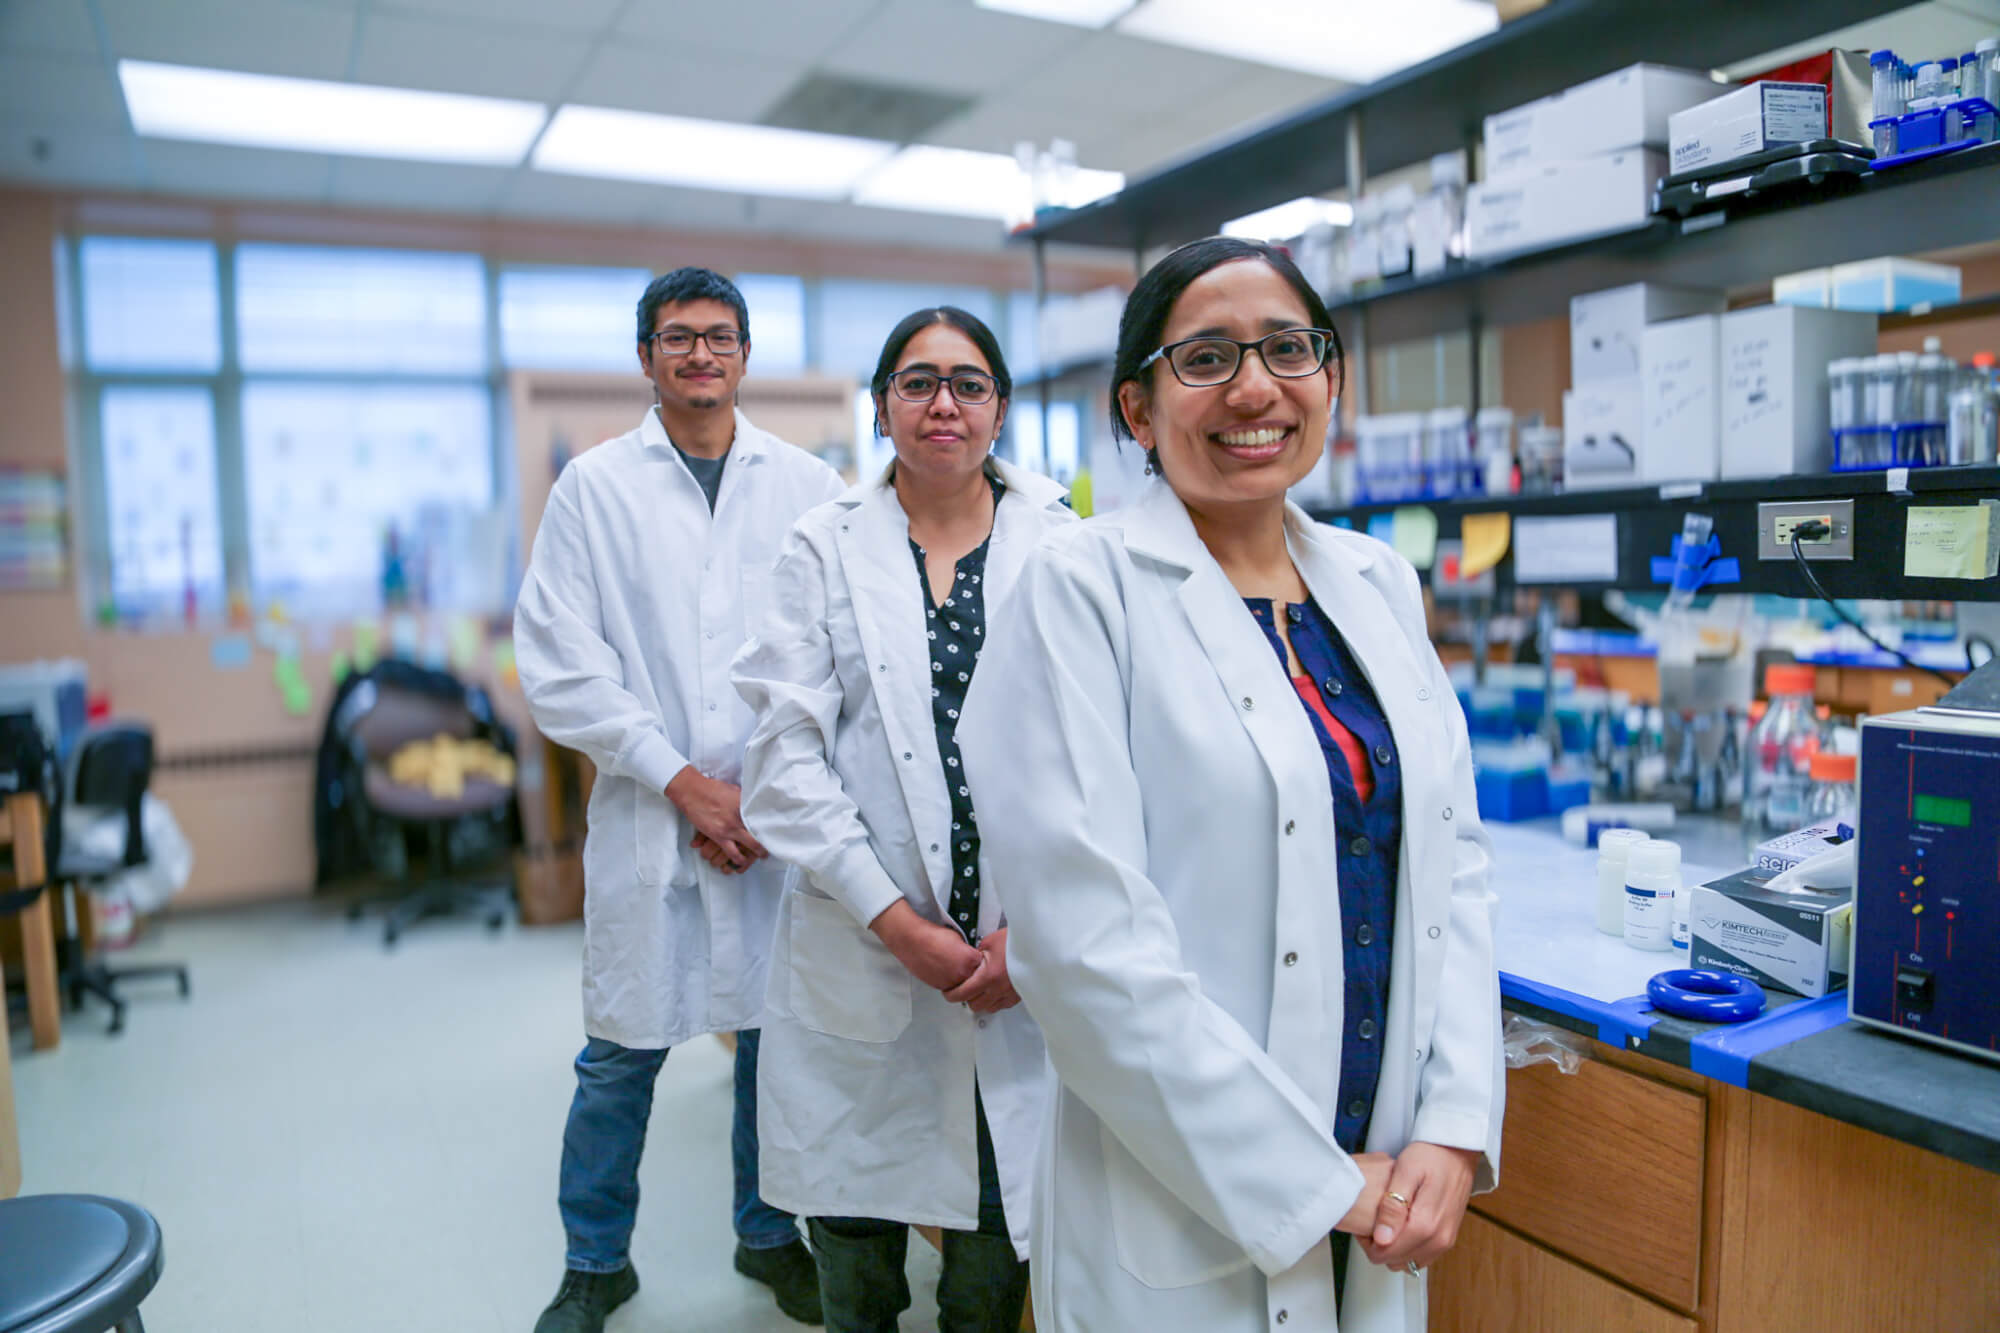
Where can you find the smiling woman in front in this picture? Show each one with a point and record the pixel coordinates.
(900, 1082)
(1227, 801)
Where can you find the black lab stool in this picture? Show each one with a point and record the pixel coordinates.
(75, 1263)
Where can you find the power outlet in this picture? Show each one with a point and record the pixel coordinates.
(1778, 521)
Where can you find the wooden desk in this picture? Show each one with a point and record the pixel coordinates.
(21, 824)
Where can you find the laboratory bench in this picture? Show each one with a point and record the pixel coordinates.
(1797, 1172)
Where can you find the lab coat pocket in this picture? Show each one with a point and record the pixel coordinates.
(656, 831)
(1160, 1240)
(845, 982)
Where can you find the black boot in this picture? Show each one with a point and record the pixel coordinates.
(789, 1271)
(584, 1299)
(983, 1287)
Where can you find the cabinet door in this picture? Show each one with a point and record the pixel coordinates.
(1493, 1281)
(1606, 1167)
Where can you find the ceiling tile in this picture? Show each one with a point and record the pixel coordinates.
(548, 194)
(50, 90)
(714, 85)
(259, 36)
(72, 157)
(413, 52)
(1110, 69)
(582, 16)
(784, 31)
(999, 122)
(431, 187)
(228, 171)
(61, 26)
(884, 226)
(951, 48)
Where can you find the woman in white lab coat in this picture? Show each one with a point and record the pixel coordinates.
(900, 1083)
(1228, 804)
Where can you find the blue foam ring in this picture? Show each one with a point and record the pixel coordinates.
(1706, 996)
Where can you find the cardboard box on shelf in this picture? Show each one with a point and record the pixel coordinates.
(1606, 327)
(1603, 434)
(1680, 376)
(1551, 205)
(1750, 120)
(1627, 108)
(1774, 403)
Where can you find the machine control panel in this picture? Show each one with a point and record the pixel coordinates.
(1927, 887)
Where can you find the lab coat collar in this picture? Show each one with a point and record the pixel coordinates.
(1158, 526)
(1032, 487)
(751, 444)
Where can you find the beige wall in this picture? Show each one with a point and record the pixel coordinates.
(249, 814)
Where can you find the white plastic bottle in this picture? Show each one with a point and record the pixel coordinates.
(1682, 902)
(1614, 845)
(1652, 882)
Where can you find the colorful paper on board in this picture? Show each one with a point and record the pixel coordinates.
(1485, 537)
(292, 687)
(465, 642)
(1382, 527)
(1416, 535)
(367, 644)
(340, 668)
(229, 652)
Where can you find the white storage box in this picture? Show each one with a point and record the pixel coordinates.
(1751, 120)
(1605, 327)
(1893, 284)
(1774, 401)
(1564, 201)
(1624, 109)
(1680, 374)
(1603, 434)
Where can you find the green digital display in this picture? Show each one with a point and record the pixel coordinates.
(1944, 810)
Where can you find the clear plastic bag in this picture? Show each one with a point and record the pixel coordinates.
(1527, 1042)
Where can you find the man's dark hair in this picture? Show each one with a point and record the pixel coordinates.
(690, 284)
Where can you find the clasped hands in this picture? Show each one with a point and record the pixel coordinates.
(1411, 1204)
(938, 956)
(715, 810)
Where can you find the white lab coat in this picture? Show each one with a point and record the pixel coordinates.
(1157, 817)
(635, 600)
(865, 1085)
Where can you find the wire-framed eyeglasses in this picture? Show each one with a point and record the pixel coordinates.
(969, 388)
(1203, 363)
(680, 341)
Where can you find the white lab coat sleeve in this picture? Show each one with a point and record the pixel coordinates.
(572, 677)
(1092, 945)
(793, 800)
(1461, 1092)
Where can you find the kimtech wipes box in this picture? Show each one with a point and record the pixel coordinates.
(1797, 942)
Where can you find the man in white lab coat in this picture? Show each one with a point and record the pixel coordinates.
(653, 558)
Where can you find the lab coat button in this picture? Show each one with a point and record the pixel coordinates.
(1366, 1027)
(1357, 1108)
(908, 755)
(1384, 755)
(982, 1022)
(1447, 812)
(934, 846)
(1364, 934)
(1248, 703)
(1434, 932)
(711, 708)
(1291, 960)
(1332, 687)
(881, 666)
(1283, 1315)
(1423, 694)
(1360, 847)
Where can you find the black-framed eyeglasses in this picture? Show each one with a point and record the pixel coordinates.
(680, 341)
(1203, 363)
(969, 388)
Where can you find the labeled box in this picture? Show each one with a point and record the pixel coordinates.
(1799, 942)
(1607, 327)
(1751, 120)
(1794, 848)
(1561, 202)
(1680, 385)
(1603, 434)
(1774, 400)
(1893, 283)
(1628, 108)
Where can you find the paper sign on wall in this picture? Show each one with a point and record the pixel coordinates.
(1415, 535)
(1572, 549)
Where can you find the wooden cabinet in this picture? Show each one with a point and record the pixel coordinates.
(1493, 1281)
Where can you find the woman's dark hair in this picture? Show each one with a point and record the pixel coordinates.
(690, 284)
(1152, 301)
(967, 323)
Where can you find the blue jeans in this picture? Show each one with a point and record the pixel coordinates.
(599, 1185)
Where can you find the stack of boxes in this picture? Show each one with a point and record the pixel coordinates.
(1605, 413)
(1579, 163)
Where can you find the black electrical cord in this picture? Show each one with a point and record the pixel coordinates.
(1816, 529)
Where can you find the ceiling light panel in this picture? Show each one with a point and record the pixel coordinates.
(1355, 41)
(706, 154)
(1283, 221)
(314, 116)
(1080, 13)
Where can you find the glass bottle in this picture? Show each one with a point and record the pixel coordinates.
(1776, 771)
(1832, 795)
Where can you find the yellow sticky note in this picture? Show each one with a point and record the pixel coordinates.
(1485, 542)
(1952, 542)
(1415, 535)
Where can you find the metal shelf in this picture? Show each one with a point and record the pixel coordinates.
(1934, 205)
(1440, 106)
(1650, 517)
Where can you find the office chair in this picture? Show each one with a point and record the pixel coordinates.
(398, 704)
(112, 767)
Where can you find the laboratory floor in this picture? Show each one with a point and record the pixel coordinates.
(338, 1139)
